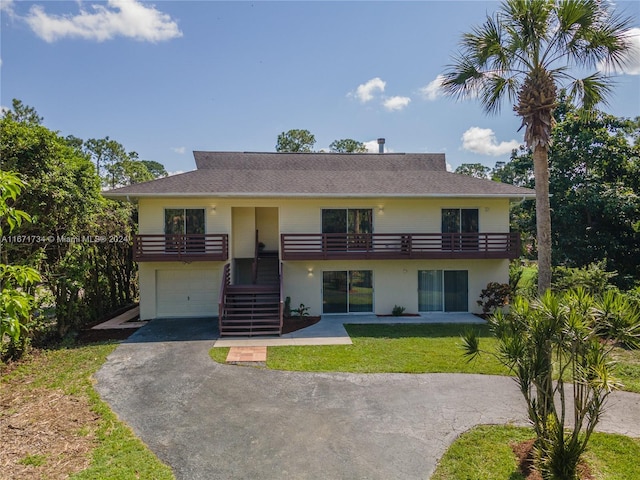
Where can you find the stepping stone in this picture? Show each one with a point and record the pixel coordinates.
(247, 355)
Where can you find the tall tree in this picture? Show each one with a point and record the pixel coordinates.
(594, 182)
(347, 145)
(296, 141)
(476, 170)
(81, 241)
(22, 113)
(524, 52)
(156, 169)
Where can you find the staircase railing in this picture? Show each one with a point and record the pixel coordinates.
(226, 281)
(256, 250)
(281, 300)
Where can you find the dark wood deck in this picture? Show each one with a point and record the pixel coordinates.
(398, 246)
(181, 248)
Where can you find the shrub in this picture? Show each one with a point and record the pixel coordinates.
(594, 278)
(495, 296)
(397, 311)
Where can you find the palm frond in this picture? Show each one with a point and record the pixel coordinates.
(591, 90)
(470, 344)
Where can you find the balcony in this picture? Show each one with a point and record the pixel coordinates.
(181, 248)
(399, 246)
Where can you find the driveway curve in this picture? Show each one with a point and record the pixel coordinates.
(212, 421)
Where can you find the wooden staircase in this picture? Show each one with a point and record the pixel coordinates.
(254, 309)
(251, 310)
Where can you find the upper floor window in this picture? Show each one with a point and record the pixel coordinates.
(184, 221)
(459, 220)
(347, 220)
(462, 224)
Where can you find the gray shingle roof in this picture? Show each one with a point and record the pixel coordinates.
(251, 174)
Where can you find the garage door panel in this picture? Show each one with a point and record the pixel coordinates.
(186, 293)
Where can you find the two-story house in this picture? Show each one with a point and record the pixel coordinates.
(340, 233)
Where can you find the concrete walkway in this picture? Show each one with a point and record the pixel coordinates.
(212, 421)
(330, 329)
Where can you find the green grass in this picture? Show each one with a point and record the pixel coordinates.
(412, 348)
(408, 348)
(483, 453)
(627, 368)
(119, 453)
(34, 460)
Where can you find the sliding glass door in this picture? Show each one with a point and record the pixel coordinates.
(347, 291)
(443, 290)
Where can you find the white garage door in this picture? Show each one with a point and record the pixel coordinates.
(186, 293)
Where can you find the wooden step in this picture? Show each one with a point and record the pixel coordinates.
(251, 310)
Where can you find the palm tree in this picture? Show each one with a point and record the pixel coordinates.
(527, 52)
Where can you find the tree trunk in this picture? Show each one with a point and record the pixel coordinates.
(543, 216)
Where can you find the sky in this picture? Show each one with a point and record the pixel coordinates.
(165, 78)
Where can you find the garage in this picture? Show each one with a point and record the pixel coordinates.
(186, 293)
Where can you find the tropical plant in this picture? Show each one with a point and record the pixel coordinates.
(301, 311)
(553, 345)
(397, 311)
(16, 303)
(525, 52)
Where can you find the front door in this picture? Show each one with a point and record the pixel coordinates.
(347, 291)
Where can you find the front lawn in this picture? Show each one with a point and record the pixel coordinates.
(412, 348)
(404, 348)
(485, 452)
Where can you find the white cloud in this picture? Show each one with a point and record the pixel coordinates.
(7, 6)
(365, 91)
(483, 141)
(433, 89)
(124, 18)
(631, 62)
(180, 150)
(177, 172)
(396, 103)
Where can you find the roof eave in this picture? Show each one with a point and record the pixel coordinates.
(128, 196)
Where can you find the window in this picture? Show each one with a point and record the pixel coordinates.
(185, 221)
(348, 228)
(347, 291)
(443, 290)
(462, 224)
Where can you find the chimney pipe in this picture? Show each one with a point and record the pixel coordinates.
(381, 145)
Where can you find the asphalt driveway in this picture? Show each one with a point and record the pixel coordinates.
(212, 421)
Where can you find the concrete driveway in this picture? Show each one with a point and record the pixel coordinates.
(212, 421)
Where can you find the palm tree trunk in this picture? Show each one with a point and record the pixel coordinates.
(543, 216)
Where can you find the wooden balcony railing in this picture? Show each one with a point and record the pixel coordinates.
(389, 246)
(181, 248)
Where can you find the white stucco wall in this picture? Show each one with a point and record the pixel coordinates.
(395, 281)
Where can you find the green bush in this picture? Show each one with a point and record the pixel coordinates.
(594, 278)
(496, 295)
